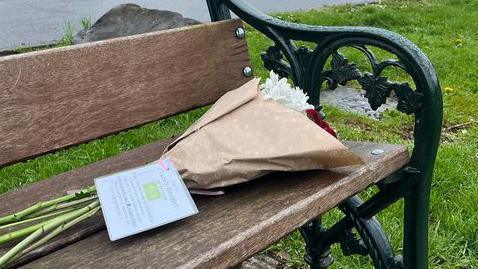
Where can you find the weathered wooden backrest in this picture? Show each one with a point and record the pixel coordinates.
(61, 97)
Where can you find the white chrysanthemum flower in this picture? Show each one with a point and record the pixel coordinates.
(281, 91)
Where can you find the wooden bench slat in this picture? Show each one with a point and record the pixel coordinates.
(60, 97)
(228, 228)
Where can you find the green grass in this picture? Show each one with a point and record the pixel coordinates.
(85, 23)
(69, 32)
(448, 33)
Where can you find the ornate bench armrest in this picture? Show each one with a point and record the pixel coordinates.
(306, 68)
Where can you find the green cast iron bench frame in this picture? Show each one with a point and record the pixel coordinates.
(250, 217)
(306, 69)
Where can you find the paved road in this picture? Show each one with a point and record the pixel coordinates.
(35, 22)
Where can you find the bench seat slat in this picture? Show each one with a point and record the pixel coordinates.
(227, 230)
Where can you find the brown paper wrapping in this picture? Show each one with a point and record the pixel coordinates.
(243, 136)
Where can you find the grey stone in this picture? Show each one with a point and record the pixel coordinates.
(353, 100)
(131, 19)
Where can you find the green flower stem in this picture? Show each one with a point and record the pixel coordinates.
(41, 205)
(30, 219)
(21, 233)
(50, 225)
(60, 229)
(56, 207)
(19, 215)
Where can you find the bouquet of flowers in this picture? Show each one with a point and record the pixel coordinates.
(250, 132)
(247, 133)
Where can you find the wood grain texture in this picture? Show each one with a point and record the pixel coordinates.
(60, 97)
(228, 229)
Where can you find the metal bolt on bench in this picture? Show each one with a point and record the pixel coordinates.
(377, 151)
(240, 32)
(247, 71)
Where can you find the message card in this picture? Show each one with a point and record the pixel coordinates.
(143, 198)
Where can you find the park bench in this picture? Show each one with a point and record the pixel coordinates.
(61, 97)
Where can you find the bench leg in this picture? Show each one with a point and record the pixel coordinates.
(317, 256)
(355, 234)
(374, 242)
(415, 246)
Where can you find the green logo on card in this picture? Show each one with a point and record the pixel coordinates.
(151, 189)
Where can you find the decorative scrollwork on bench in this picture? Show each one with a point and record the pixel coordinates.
(377, 87)
(372, 236)
(409, 101)
(341, 71)
(273, 60)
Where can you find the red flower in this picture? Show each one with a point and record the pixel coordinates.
(315, 117)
